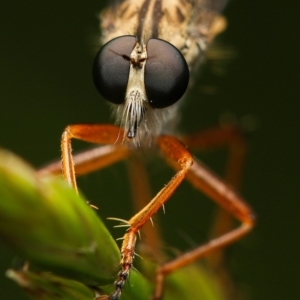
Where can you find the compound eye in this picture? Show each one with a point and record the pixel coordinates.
(111, 68)
(166, 74)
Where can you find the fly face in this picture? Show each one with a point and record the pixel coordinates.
(143, 79)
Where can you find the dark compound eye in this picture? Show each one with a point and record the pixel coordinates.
(111, 68)
(166, 71)
(166, 74)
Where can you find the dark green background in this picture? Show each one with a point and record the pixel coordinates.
(46, 84)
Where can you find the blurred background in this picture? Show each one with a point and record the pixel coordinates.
(46, 57)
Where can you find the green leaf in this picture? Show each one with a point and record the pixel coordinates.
(45, 221)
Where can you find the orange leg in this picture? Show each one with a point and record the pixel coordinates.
(228, 136)
(204, 180)
(89, 160)
(176, 152)
(141, 194)
(231, 137)
(98, 134)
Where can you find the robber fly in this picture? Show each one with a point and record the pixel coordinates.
(150, 51)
